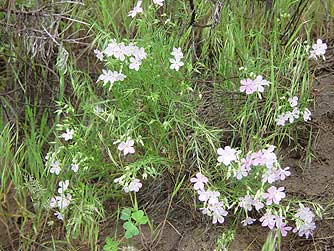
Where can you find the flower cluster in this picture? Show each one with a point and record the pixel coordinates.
(270, 220)
(250, 86)
(129, 186)
(61, 201)
(242, 166)
(318, 49)
(304, 222)
(138, 9)
(130, 53)
(212, 206)
(176, 62)
(290, 116)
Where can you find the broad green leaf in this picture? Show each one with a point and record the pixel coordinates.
(139, 217)
(126, 214)
(131, 229)
(110, 245)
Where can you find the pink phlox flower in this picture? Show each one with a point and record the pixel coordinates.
(158, 2)
(119, 52)
(205, 211)
(307, 115)
(319, 49)
(306, 229)
(305, 214)
(258, 158)
(258, 204)
(137, 9)
(218, 212)
(68, 134)
(63, 185)
(293, 101)
(55, 168)
(281, 120)
(126, 146)
(199, 181)
(139, 53)
(210, 197)
(111, 76)
(53, 202)
(268, 220)
(112, 47)
(227, 155)
(203, 195)
(213, 197)
(269, 176)
(248, 221)
(246, 163)
(289, 117)
(98, 54)
(246, 202)
(74, 167)
(63, 201)
(274, 195)
(133, 186)
(175, 64)
(269, 156)
(177, 53)
(295, 113)
(58, 215)
(259, 82)
(248, 85)
(284, 229)
(240, 173)
(134, 63)
(283, 173)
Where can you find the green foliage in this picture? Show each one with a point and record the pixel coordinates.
(177, 119)
(110, 245)
(133, 218)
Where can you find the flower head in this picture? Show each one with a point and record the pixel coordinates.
(177, 53)
(127, 146)
(134, 186)
(134, 63)
(307, 115)
(319, 49)
(293, 101)
(98, 54)
(305, 214)
(268, 220)
(63, 185)
(75, 167)
(159, 2)
(274, 195)
(260, 82)
(199, 181)
(137, 9)
(68, 134)
(248, 86)
(248, 221)
(280, 120)
(227, 155)
(246, 202)
(283, 228)
(175, 64)
(55, 168)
